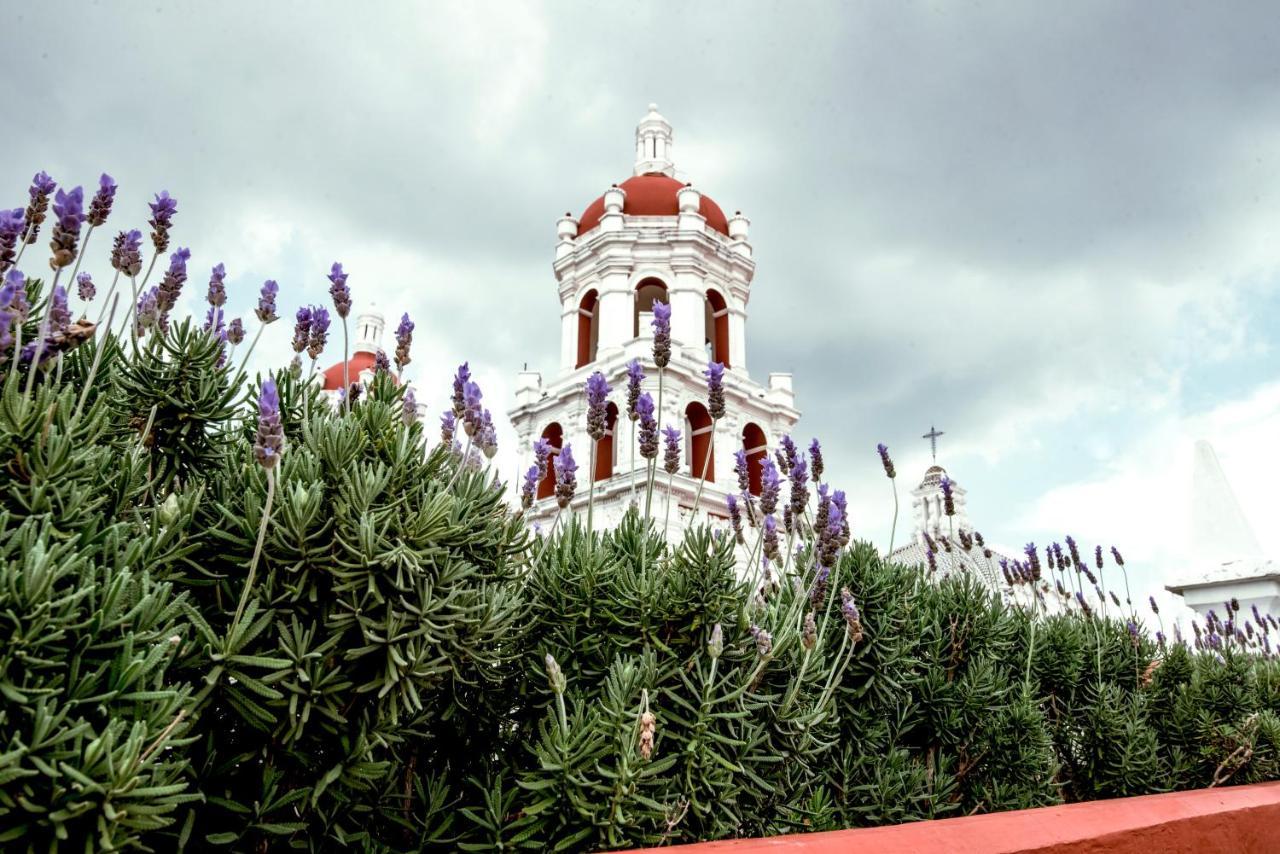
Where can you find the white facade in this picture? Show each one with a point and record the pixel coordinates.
(932, 524)
(610, 265)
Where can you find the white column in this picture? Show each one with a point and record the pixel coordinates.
(616, 314)
(568, 335)
(738, 339)
(689, 315)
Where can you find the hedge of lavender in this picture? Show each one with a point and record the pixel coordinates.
(236, 614)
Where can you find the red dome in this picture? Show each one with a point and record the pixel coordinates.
(653, 194)
(360, 361)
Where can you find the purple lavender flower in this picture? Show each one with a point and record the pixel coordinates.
(174, 278)
(790, 455)
(460, 380)
(635, 376)
(541, 454)
(409, 408)
(319, 331)
(1155, 609)
(597, 400)
(41, 187)
(472, 411)
(162, 211)
(487, 436)
(266, 310)
(11, 224)
(1033, 561)
(301, 329)
(648, 427)
(381, 364)
(735, 517)
(126, 252)
(235, 331)
(1114, 598)
(100, 207)
(339, 291)
(815, 460)
(147, 313)
(68, 210)
(529, 487)
(404, 337)
(448, 426)
(1075, 551)
(741, 470)
(852, 619)
(948, 498)
(59, 313)
(799, 487)
(213, 321)
(771, 549)
(566, 476)
(764, 641)
(1115, 553)
(671, 453)
(85, 288)
(217, 295)
(715, 390)
(12, 299)
(770, 486)
(1132, 628)
(661, 334)
(886, 461)
(270, 438)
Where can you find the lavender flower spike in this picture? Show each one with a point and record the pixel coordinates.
(301, 329)
(566, 476)
(162, 211)
(126, 252)
(661, 334)
(68, 209)
(409, 408)
(770, 486)
(715, 390)
(100, 206)
(404, 337)
(815, 460)
(266, 309)
(339, 291)
(671, 452)
(529, 487)
(460, 380)
(381, 364)
(648, 427)
(85, 288)
(270, 438)
(235, 331)
(948, 498)
(41, 186)
(217, 295)
(597, 398)
(11, 224)
(635, 376)
(886, 461)
(319, 331)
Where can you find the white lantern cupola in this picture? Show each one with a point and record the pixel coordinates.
(653, 145)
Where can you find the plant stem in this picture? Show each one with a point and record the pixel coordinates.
(346, 370)
(111, 290)
(706, 464)
(257, 551)
(84, 244)
(254, 343)
(547, 539)
(591, 486)
(893, 529)
(97, 359)
(653, 464)
(41, 332)
(666, 525)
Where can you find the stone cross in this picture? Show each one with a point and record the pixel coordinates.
(932, 436)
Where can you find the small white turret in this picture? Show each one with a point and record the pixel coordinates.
(369, 327)
(653, 144)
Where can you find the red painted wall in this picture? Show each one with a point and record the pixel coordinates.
(1238, 820)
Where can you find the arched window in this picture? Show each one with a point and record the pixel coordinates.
(717, 328)
(606, 448)
(555, 435)
(699, 452)
(588, 328)
(753, 442)
(648, 292)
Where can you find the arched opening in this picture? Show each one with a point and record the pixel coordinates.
(555, 436)
(606, 448)
(588, 328)
(699, 452)
(648, 292)
(756, 447)
(717, 328)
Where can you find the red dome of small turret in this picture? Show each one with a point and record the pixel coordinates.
(653, 194)
(362, 360)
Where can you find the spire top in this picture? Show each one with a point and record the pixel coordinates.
(932, 436)
(653, 144)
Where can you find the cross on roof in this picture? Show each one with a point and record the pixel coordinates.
(932, 436)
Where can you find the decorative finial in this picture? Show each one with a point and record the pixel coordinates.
(932, 436)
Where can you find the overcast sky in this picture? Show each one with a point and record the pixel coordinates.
(1053, 234)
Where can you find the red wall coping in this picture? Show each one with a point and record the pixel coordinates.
(1239, 819)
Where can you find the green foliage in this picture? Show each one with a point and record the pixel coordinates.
(413, 671)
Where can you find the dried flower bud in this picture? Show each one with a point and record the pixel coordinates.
(648, 726)
(715, 645)
(809, 634)
(555, 676)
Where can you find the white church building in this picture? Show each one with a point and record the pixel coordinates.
(653, 237)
